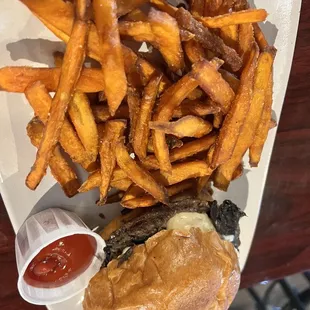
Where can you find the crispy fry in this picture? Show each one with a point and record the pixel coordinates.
(231, 79)
(167, 34)
(59, 166)
(230, 35)
(187, 150)
(101, 112)
(164, 6)
(58, 58)
(194, 51)
(140, 31)
(261, 133)
(126, 6)
(213, 84)
(169, 101)
(246, 41)
(70, 72)
(133, 101)
(132, 192)
(112, 132)
(234, 120)
(225, 172)
(195, 107)
(141, 123)
(212, 7)
(238, 172)
(111, 52)
(83, 120)
(41, 101)
(94, 180)
(235, 18)
(139, 175)
(187, 126)
(259, 37)
(147, 200)
(16, 79)
(208, 40)
(186, 35)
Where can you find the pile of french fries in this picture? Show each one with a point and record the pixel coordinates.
(151, 128)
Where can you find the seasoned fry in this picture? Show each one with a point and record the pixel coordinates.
(235, 18)
(261, 133)
(187, 126)
(218, 120)
(195, 107)
(41, 102)
(139, 175)
(213, 84)
(225, 172)
(83, 120)
(70, 72)
(112, 132)
(166, 31)
(234, 120)
(141, 123)
(208, 40)
(194, 51)
(16, 79)
(94, 180)
(102, 113)
(115, 83)
(169, 101)
(140, 31)
(246, 41)
(172, 142)
(187, 150)
(147, 200)
(133, 101)
(59, 166)
(186, 35)
(230, 35)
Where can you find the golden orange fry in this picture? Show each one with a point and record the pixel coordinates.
(143, 117)
(234, 120)
(140, 31)
(112, 132)
(133, 103)
(197, 7)
(235, 18)
(138, 175)
(167, 34)
(40, 100)
(212, 82)
(169, 101)
(135, 15)
(147, 200)
(224, 173)
(246, 41)
(231, 79)
(261, 133)
(186, 150)
(260, 37)
(17, 79)
(59, 166)
(164, 6)
(70, 72)
(112, 61)
(230, 35)
(194, 51)
(187, 126)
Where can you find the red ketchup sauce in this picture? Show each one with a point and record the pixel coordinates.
(61, 261)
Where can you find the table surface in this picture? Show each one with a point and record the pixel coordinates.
(281, 245)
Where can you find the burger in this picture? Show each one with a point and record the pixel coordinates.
(181, 256)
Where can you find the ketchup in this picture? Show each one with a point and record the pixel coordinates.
(61, 261)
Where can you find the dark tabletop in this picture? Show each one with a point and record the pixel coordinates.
(282, 241)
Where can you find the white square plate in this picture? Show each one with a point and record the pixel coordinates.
(19, 33)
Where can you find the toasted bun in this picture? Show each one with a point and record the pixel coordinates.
(172, 270)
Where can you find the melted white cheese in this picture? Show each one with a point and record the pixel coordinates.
(187, 220)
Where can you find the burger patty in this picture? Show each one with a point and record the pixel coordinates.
(224, 217)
